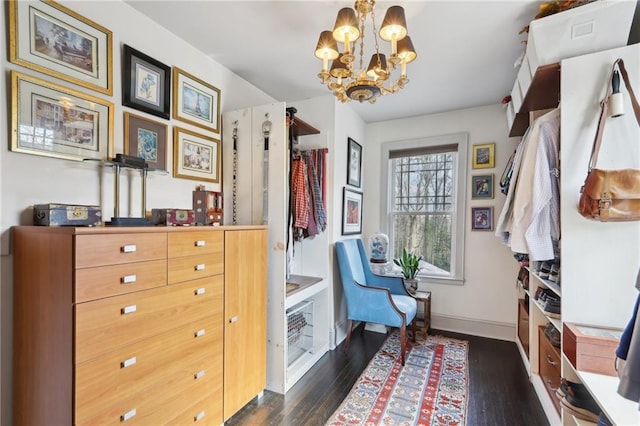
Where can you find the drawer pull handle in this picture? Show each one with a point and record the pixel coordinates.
(198, 416)
(201, 243)
(550, 383)
(233, 319)
(200, 332)
(128, 415)
(200, 291)
(199, 374)
(129, 248)
(525, 321)
(128, 279)
(129, 309)
(128, 362)
(200, 267)
(550, 360)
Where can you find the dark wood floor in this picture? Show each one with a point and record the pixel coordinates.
(499, 391)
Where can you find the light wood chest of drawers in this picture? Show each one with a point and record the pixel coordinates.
(127, 325)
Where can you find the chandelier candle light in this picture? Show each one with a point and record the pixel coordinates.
(350, 81)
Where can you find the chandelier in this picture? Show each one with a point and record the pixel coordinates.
(346, 77)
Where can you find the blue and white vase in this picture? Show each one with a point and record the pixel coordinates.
(379, 247)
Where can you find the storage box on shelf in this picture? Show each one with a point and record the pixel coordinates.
(574, 32)
(523, 325)
(591, 349)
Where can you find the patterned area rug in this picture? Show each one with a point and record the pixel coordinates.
(431, 389)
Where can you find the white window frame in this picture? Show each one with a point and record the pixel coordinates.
(458, 224)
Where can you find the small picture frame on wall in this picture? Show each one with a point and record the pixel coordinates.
(195, 101)
(195, 156)
(484, 156)
(354, 163)
(146, 139)
(351, 212)
(146, 83)
(482, 218)
(482, 187)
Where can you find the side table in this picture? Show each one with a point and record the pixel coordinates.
(425, 298)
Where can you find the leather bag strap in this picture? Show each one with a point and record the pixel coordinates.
(605, 109)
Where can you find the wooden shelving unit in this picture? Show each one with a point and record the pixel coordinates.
(543, 93)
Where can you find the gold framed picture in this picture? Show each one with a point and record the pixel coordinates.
(195, 156)
(49, 38)
(195, 101)
(484, 156)
(56, 121)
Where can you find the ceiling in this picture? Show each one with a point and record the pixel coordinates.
(466, 49)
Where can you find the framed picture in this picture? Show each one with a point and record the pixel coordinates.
(354, 163)
(56, 121)
(481, 186)
(482, 218)
(351, 212)
(195, 101)
(146, 139)
(195, 156)
(146, 83)
(51, 39)
(484, 156)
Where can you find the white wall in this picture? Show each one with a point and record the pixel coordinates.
(29, 179)
(600, 261)
(484, 305)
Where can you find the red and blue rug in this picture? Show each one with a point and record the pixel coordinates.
(431, 389)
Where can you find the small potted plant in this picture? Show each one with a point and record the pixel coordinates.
(410, 265)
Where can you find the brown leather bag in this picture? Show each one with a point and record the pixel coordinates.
(611, 195)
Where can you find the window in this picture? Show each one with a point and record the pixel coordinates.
(425, 195)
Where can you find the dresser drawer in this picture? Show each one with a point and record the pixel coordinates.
(158, 405)
(108, 324)
(207, 411)
(105, 281)
(112, 249)
(549, 366)
(194, 267)
(150, 363)
(191, 243)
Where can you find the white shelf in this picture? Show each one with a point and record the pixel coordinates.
(604, 389)
(580, 422)
(306, 291)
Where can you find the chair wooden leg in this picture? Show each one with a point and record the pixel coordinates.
(348, 339)
(403, 342)
(414, 326)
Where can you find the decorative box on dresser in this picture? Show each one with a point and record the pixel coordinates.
(116, 325)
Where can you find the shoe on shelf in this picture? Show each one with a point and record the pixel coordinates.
(544, 270)
(603, 420)
(565, 384)
(579, 402)
(552, 308)
(554, 273)
(552, 334)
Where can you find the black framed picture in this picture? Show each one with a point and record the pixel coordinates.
(146, 83)
(351, 212)
(354, 163)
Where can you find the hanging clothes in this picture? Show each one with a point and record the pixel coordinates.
(309, 188)
(532, 217)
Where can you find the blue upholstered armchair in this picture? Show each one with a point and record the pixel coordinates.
(370, 297)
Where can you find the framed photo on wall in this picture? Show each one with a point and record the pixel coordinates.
(351, 212)
(484, 156)
(146, 83)
(51, 39)
(56, 121)
(146, 139)
(195, 101)
(354, 163)
(482, 218)
(195, 156)
(482, 187)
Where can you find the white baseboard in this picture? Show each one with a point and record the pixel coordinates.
(474, 327)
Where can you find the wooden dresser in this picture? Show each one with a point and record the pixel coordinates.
(138, 325)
